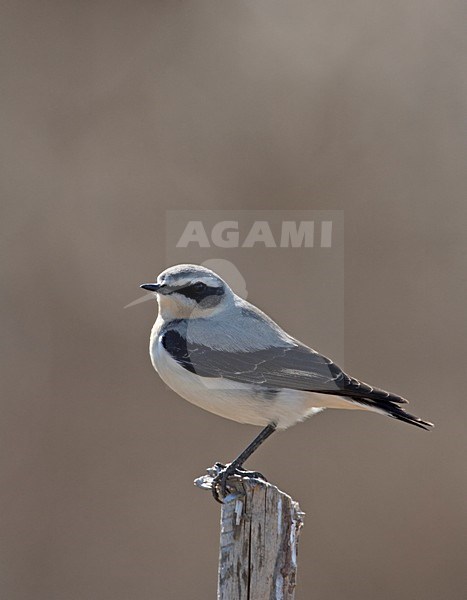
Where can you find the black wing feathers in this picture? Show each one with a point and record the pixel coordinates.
(295, 367)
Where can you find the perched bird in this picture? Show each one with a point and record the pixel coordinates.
(225, 355)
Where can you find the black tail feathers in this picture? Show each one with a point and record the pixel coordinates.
(396, 412)
(376, 399)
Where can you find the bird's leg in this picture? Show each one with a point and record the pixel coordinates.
(235, 467)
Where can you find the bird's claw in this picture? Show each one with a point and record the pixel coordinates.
(219, 483)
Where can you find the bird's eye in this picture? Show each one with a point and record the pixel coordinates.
(199, 286)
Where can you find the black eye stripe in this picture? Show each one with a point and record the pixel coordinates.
(199, 292)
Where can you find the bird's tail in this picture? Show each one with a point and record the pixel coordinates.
(396, 412)
(375, 399)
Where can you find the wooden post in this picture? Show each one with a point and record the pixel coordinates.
(260, 527)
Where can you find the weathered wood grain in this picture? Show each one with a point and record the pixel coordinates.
(260, 527)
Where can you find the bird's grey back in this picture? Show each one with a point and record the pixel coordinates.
(239, 327)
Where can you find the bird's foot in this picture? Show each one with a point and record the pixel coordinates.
(219, 483)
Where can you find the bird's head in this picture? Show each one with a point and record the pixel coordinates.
(185, 291)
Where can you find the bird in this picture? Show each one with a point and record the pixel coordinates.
(225, 355)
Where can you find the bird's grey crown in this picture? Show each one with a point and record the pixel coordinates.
(185, 274)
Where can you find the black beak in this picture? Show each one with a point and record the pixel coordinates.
(151, 287)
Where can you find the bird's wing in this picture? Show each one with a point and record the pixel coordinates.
(293, 366)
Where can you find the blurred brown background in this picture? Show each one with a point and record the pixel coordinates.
(113, 112)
